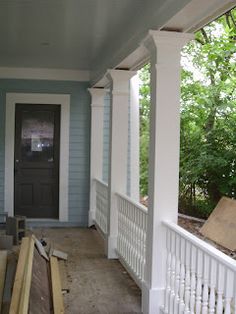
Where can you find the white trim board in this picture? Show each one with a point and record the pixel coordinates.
(44, 74)
(64, 101)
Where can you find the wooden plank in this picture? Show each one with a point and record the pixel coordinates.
(25, 291)
(40, 248)
(10, 274)
(58, 305)
(40, 301)
(60, 254)
(3, 266)
(16, 293)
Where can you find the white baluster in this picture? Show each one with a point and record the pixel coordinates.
(168, 271)
(212, 300)
(229, 291)
(199, 281)
(177, 274)
(187, 280)
(220, 287)
(193, 280)
(182, 276)
(172, 285)
(205, 284)
(234, 296)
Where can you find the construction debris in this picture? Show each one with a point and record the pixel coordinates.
(16, 226)
(60, 255)
(40, 248)
(31, 285)
(58, 305)
(221, 224)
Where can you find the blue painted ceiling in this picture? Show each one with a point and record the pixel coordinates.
(76, 34)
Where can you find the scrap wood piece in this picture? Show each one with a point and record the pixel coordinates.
(40, 248)
(221, 224)
(60, 254)
(58, 305)
(40, 301)
(3, 266)
(10, 274)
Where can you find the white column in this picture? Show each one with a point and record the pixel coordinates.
(96, 145)
(117, 181)
(134, 138)
(164, 48)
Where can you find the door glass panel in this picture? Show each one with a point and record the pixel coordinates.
(37, 136)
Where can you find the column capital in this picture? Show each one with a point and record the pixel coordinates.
(166, 45)
(155, 39)
(97, 95)
(120, 80)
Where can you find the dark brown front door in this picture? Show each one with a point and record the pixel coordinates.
(37, 138)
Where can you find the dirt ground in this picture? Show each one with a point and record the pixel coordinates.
(96, 284)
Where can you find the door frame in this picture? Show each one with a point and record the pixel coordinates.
(43, 99)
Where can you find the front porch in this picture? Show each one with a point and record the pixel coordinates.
(98, 163)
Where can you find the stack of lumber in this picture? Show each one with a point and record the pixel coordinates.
(34, 285)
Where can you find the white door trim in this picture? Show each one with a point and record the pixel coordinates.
(54, 99)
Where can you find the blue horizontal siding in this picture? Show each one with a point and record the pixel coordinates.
(79, 146)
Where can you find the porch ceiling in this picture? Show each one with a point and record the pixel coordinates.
(88, 35)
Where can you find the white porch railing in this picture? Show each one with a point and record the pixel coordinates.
(101, 215)
(132, 227)
(199, 278)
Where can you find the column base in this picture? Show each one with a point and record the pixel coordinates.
(91, 218)
(111, 246)
(152, 299)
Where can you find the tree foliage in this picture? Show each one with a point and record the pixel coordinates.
(208, 117)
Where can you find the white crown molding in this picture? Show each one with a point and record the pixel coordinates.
(44, 74)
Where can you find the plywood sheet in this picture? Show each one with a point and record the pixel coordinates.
(221, 225)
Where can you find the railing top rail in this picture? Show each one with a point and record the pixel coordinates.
(205, 247)
(140, 206)
(101, 182)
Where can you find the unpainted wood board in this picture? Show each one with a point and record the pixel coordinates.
(58, 305)
(221, 224)
(60, 254)
(10, 274)
(25, 291)
(16, 293)
(3, 266)
(40, 248)
(40, 301)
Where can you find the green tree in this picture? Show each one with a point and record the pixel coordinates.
(208, 117)
(144, 92)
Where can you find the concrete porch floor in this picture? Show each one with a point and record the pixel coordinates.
(97, 285)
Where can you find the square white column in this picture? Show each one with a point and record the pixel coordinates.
(96, 145)
(165, 50)
(134, 138)
(120, 80)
